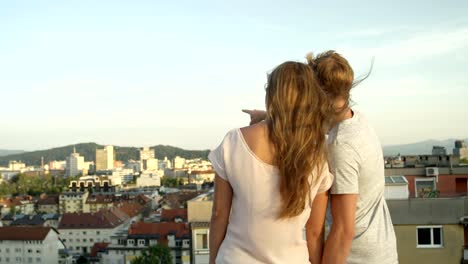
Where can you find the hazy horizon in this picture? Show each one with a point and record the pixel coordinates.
(146, 73)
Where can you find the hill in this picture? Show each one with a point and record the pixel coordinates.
(5, 152)
(423, 147)
(88, 150)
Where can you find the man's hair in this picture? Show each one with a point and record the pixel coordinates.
(334, 74)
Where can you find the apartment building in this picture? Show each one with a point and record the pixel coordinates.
(19, 244)
(128, 244)
(199, 217)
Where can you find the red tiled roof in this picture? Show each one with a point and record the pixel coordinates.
(100, 199)
(98, 247)
(161, 229)
(49, 200)
(171, 214)
(24, 232)
(129, 208)
(178, 200)
(101, 219)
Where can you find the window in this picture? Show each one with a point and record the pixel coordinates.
(98, 232)
(202, 241)
(7, 259)
(18, 259)
(429, 236)
(141, 242)
(91, 240)
(70, 233)
(30, 260)
(29, 250)
(84, 232)
(424, 187)
(17, 250)
(85, 240)
(38, 251)
(178, 243)
(38, 260)
(131, 242)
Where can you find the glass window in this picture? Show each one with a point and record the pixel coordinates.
(424, 187)
(429, 237)
(202, 241)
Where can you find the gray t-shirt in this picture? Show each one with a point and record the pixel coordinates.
(356, 161)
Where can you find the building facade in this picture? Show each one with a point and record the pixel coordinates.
(19, 244)
(105, 158)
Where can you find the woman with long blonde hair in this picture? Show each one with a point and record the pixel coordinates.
(272, 177)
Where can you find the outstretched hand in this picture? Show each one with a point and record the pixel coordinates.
(255, 115)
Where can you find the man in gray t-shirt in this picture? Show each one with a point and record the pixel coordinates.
(361, 230)
(356, 160)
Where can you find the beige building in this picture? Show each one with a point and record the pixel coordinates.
(105, 158)
(430, 230)
(199, 217)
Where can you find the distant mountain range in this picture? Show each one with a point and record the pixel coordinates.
(88, 150)
(423, 147)
(5, 152)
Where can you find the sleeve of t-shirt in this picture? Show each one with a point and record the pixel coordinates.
(217, 158)
(326, 179)
(344, 165)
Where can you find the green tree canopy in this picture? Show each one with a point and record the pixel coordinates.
(158, 254)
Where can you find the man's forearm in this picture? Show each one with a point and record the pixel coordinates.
(337, 247)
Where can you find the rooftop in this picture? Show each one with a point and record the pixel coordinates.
(24, 232)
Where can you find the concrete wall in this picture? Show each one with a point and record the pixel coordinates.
(408, 253)
(436, 211)
(199, 211)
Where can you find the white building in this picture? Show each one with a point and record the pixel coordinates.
(75, 165)
(105, 158)
(71, 202)
(179, 162)
(79, 231)
(29, 245)
(199, 217)
(150, 178)
(57, 165)
(164, 164)
(127, 245)
(125, 175)
(134, 165)
(396, 188)
(14, 165)
(151, 164)
(146, 153)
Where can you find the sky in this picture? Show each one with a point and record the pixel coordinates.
(141, 73)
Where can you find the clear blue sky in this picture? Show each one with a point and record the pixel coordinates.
(178, 72)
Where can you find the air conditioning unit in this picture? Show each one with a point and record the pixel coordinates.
(432, 171)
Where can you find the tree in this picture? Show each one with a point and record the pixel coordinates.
(158, 254)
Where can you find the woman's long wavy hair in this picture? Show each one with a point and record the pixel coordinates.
(296, 119)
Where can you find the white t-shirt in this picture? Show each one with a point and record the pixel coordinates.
(356, 161)
(254, 233)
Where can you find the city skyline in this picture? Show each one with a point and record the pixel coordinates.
(145, 73)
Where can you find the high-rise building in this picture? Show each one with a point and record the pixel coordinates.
(439, 150)
(75, 164)
(105, 158)
(460, 150)
(147, 153)
(179, 162)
